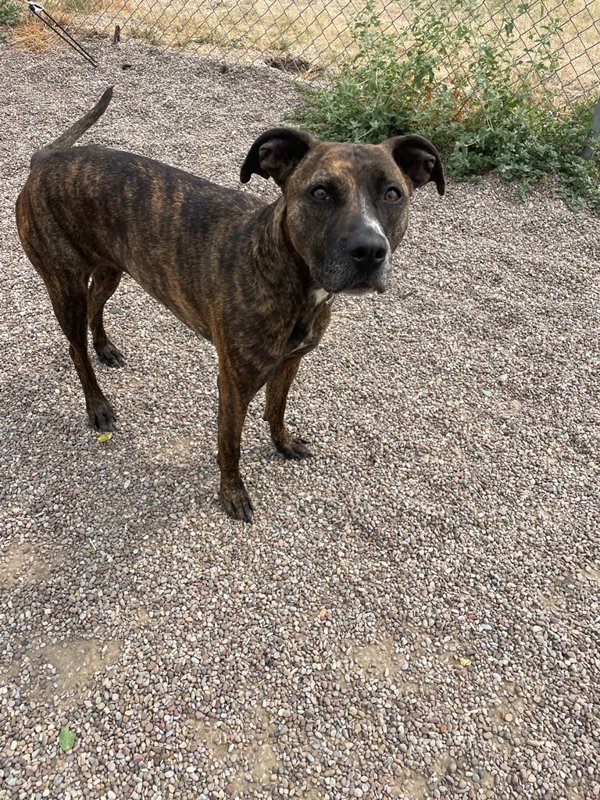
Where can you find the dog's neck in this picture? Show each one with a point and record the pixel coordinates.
(299, 300)
(271, 244)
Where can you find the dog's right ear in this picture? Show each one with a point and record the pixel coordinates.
(275, 154)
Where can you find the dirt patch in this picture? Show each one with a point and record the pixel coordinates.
(21, 565)
(256, 763)
(66, 668)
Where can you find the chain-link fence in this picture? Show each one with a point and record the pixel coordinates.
(311, 36)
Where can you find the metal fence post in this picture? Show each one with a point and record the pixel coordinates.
(589, 149)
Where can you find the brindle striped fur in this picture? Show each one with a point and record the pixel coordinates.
(255, 279)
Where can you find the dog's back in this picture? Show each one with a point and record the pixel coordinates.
(91, 208)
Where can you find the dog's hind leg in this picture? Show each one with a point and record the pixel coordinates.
(103, 285)
(66, 275)
(69, 300)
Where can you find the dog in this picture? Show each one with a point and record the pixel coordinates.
(256, 279)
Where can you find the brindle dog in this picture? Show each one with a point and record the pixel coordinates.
(255, 279)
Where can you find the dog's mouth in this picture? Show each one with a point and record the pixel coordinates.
(338, 279)
(376, 283)
(363, 287)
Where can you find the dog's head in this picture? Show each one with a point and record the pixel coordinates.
(346, 205)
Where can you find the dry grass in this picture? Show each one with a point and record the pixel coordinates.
(318, 31)
(32, 36)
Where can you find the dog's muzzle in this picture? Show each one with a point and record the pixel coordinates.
(368, 253)
(359, 263)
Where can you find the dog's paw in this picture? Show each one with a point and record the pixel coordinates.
(293, 447)
(109, 355)
(236, 502)
(102, 416)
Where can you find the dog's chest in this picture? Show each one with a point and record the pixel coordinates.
(305, 333)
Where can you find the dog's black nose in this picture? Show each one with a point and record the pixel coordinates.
(368, 249)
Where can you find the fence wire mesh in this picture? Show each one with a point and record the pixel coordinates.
(312, 36)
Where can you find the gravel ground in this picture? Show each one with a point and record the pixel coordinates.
(414, 612)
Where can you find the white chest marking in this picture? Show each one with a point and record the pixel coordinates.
(319, 296)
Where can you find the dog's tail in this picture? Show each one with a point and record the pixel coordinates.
(70, 136)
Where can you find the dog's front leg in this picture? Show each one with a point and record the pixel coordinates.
(278, 387)
(234, 397)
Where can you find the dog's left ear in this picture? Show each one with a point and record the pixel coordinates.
(418, 159)
(275, 154)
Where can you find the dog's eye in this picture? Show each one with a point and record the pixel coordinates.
(392, 195)
(320, 193)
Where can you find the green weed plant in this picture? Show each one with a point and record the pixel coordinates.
(10, 13)
(484, 97)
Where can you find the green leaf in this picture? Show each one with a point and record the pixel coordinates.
(487, 392)
(105, 437)
(66, 738)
